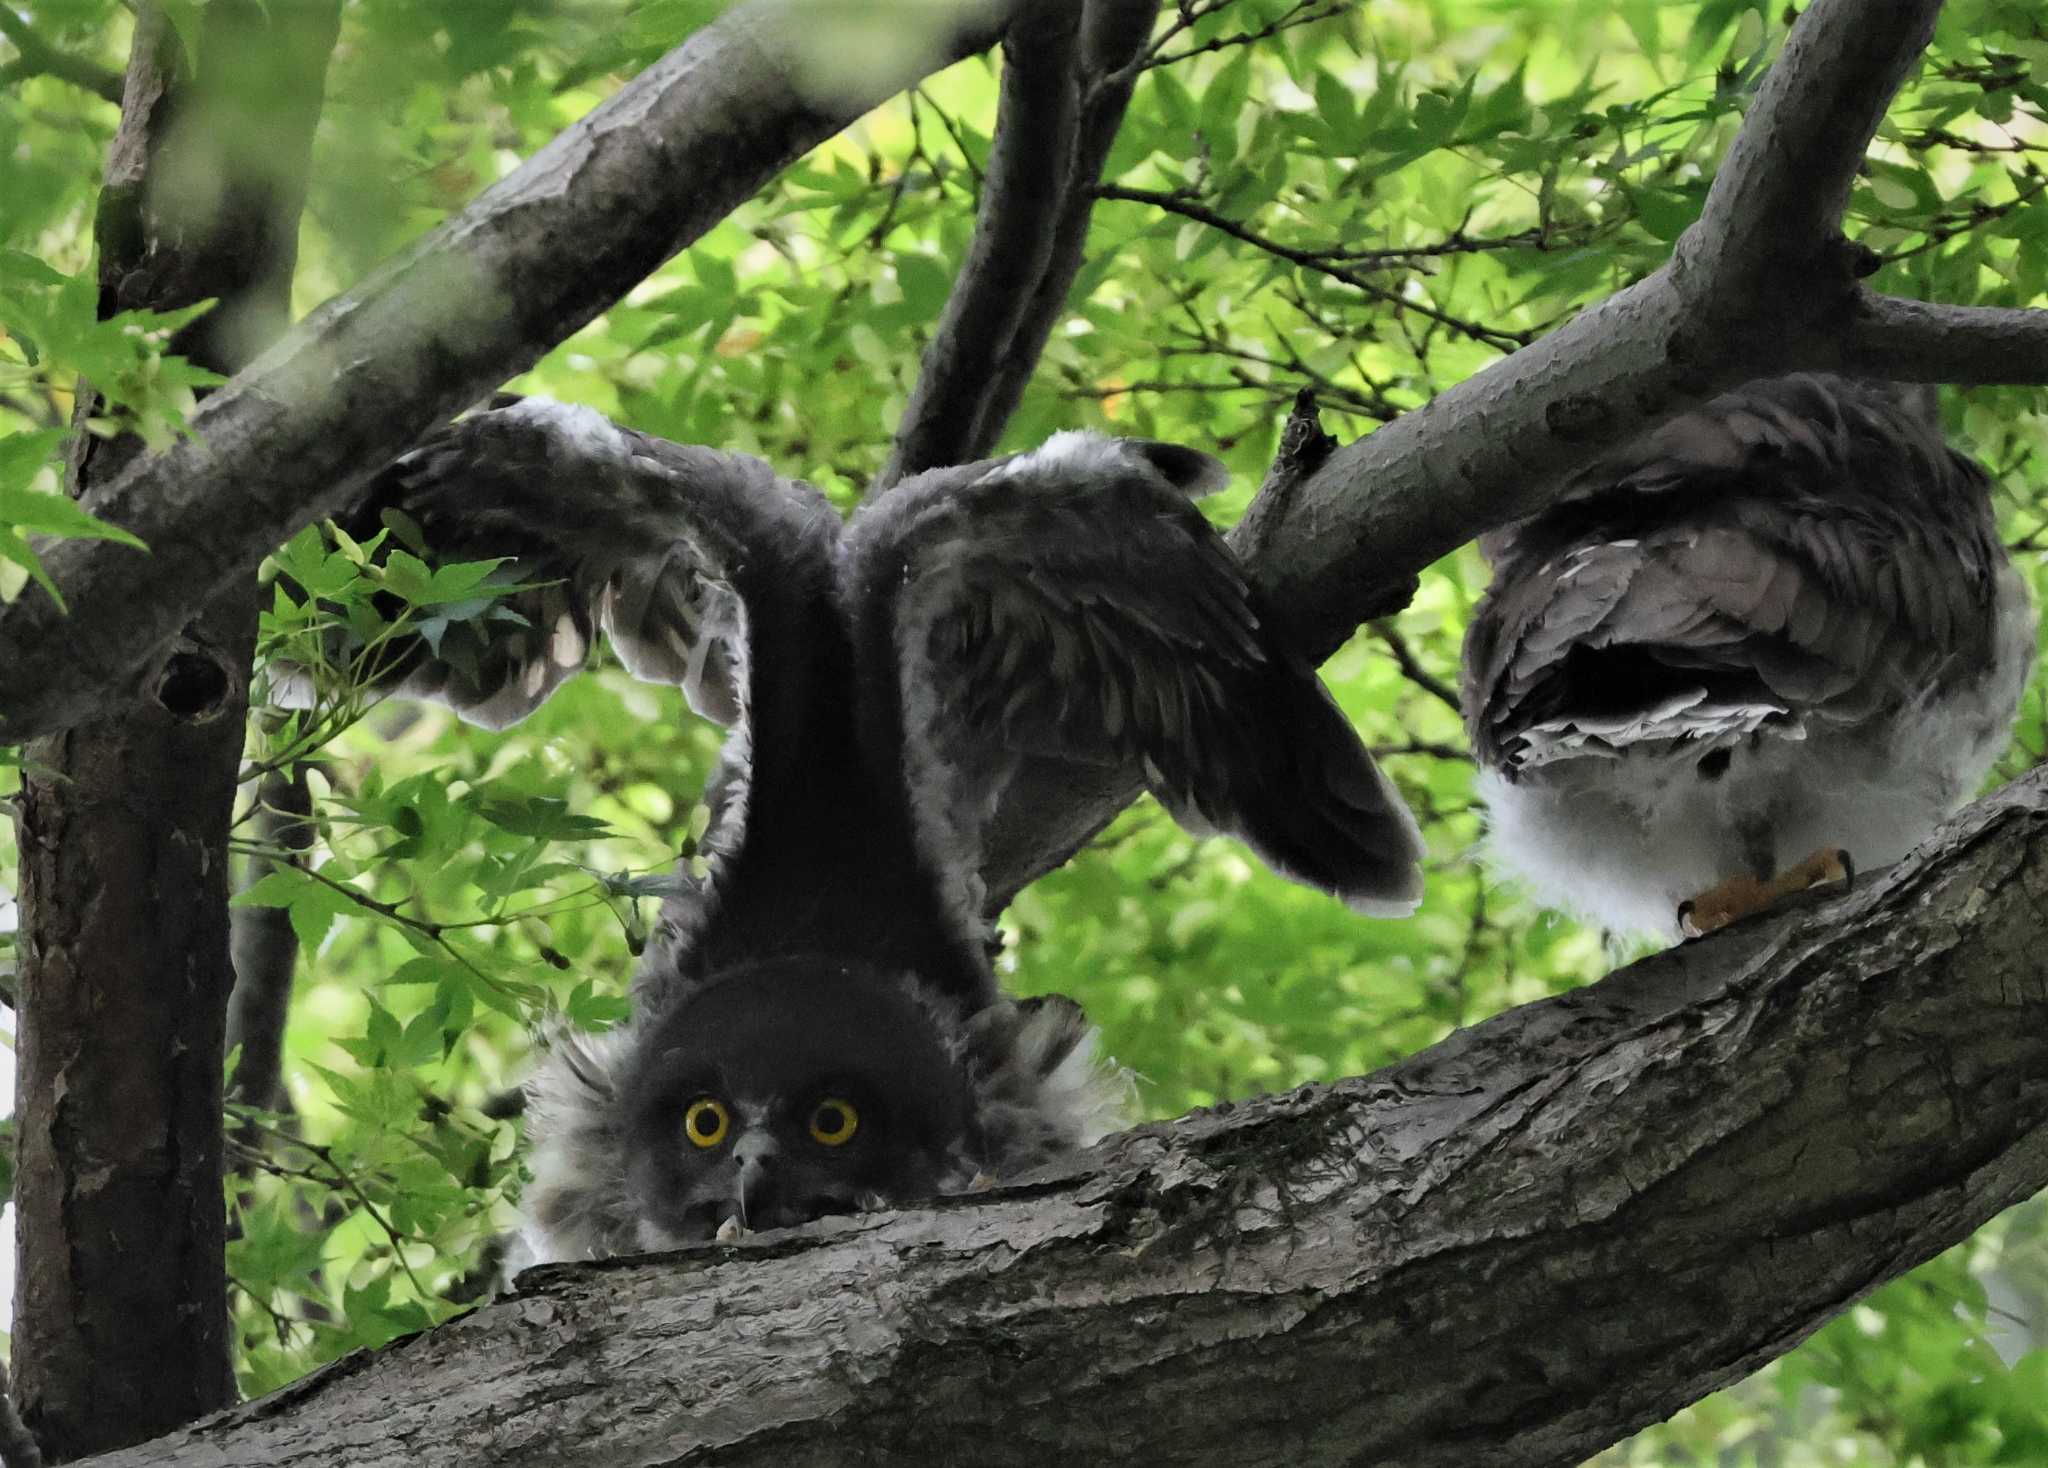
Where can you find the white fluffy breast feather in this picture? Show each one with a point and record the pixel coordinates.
(1086, 1094)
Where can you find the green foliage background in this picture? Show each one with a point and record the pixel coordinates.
(1375, 201)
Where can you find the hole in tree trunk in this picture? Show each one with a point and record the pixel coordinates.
(193, 687)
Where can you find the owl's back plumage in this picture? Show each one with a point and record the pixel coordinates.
(1782, 621)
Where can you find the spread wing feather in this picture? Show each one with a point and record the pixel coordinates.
(1071, 603)
(603, 531)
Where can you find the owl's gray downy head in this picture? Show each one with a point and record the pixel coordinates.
(787, 1090)
(795, 1088)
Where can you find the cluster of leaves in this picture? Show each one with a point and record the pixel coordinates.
(1374, 201)
(50, 341)
(53, 139)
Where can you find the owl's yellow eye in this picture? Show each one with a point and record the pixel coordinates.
(706, 1121)
(833, 1122)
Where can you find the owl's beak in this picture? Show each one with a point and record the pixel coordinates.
(751, 1154)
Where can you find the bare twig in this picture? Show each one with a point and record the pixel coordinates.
(337, 1174)
(1304, 12)
(1411, 666)
(1320, 262)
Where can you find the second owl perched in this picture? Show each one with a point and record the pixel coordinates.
(1777, 630)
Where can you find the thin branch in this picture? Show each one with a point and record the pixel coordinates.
(338, 1174)
(1411, 666)
(38, 57)
(951, 129)
(1318, 261)
(266, 946)
(1304, 12)
(1969, 220)
(1919, 341)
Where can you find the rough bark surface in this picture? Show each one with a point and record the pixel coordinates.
(1506, 1252)
(120, 1325)
(476, 301)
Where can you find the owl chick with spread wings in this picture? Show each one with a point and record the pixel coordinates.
(1771, 641)
(817, 1027)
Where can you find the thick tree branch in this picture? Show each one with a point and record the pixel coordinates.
(291, 437)
(1511, 1249)
(1113, 34)
(1066, 84)
(1022, 193)
(36, 57)
(477, 300)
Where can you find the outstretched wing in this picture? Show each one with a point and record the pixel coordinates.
(1071, 602)
(1803, 548)
(703, 569)
(601, 530)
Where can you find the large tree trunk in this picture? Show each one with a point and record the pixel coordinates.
(121, 1324)
(1513, 1249)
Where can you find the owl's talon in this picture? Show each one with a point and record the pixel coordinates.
(730, 1230)
(1743, 896)
(981, 1182)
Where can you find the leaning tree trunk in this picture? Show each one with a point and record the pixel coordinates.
(1506, 1252)
(121, 1322)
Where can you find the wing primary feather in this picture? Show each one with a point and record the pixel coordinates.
(1127, 635)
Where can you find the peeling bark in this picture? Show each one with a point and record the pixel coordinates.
(1506, 1252)
(120, 1325)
